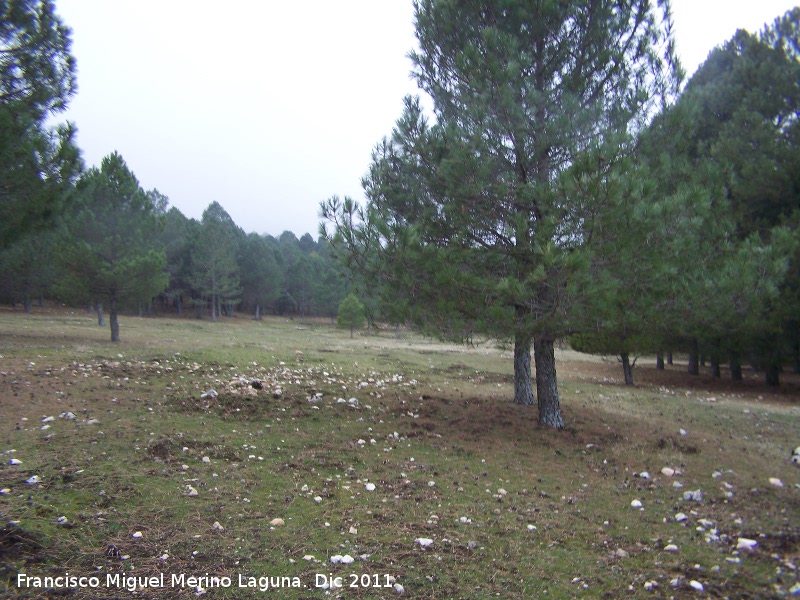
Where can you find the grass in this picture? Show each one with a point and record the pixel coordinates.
(513, 510)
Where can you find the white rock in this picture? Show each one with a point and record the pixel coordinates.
(531, 527)
(650, 585)
(318, 499)
(347, 559)
(277, 522)
(670, 548)
(636, 503)
(399, 589)
(431, 483)
(14, 461)
(67, 415)
(775, 481)
(217, 526)
(746, 544)
(796, 451)
(696, 585)
(424, 542)
(309, 557)
(668, 472)
(370, 487)
(92, 422)
(48, 419)
(137, 535)
(705, 522)
(190, 491)
(61, 520)
(5, 491)
(336, 559)
(795, 589)
(33, 480)
(206, 460)
(696, 495)
(644, 475)
(682, 431)
(681, 517)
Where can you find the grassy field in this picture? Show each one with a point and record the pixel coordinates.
(226, 460)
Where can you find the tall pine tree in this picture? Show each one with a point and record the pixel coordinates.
(466, 211)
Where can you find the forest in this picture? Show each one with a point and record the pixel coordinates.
(582, 191)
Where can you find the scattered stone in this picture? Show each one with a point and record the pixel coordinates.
(696, 585)
(190, 491)
(48, 419)
(137, 535)
(670, 548)
(217, 526)
(61, 520)
(209, 394)
(682, 431)
(5, 491)
(636, 503)
(681, 517)
(650, 585)
(206, 460)
(370, 487)
(746, 544)
(277, 522)
(33, 480)
(644, 475)
(92, 422)
(424, 542)
(620, 553)
(398, 589)
(668, 472)
(696, 496)
(776, 482)
(14, 461)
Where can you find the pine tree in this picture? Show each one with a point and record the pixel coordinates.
(113, 256)
(351, 314)
(466, 212)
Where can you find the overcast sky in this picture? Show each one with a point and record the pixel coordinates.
(266, 106)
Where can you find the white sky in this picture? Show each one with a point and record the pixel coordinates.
(267, 106)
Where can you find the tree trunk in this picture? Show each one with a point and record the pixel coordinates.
(736, 367)
(101, 322)
(772, 374)
(27, 304)
(547, 383)
(213, 308)
(694, 359)
(258, 312)
(715, 370)
(627, 369)
(523, 379)
(112, 319)
(660, 361)
(669, 358)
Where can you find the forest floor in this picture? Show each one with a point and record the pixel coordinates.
(228, 459)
